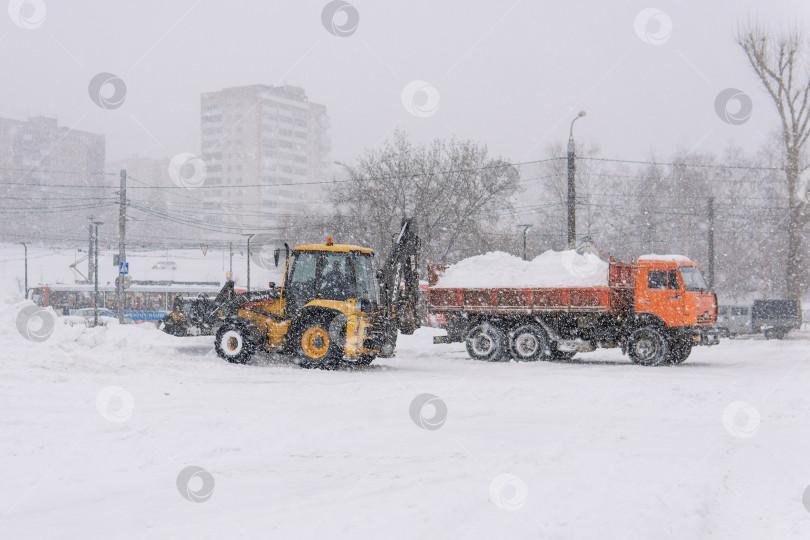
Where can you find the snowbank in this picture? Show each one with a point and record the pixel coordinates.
(551, 269)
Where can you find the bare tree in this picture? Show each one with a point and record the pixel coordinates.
(459, 195)
(781, 63)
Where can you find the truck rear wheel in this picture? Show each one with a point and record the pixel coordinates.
(648, 347)
(233, 343)
(529, 343)
(487, 342)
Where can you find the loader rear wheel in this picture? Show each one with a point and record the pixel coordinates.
(648, 347)
(488, 343)
(529, 343)
(316, 346)
(233, 343)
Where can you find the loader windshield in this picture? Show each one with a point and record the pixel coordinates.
(366, 282)
(332, 275)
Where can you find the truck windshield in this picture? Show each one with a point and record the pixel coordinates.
(692, 278)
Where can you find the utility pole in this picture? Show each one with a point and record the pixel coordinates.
(230, 260)
(249, 236)
(525, 228)
(95, 225)
(25, 246)
(90, 250)
(711, 243)
(122, 243)
(572, 186)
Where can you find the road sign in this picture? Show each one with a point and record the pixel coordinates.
(123, 268)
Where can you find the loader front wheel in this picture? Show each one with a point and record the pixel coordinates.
(316, 346)
(233, 343)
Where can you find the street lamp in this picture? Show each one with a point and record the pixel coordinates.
(25, 245)
(572, 190)
(525, 228)
(249, 236)
(95, 276)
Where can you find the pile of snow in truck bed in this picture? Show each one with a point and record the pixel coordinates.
(551, 269)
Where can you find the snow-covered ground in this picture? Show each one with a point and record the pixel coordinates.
(98, 429)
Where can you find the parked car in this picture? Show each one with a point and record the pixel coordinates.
(774, 318)
(734, 320)
(164, 265)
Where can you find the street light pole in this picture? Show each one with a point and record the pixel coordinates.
(525, 228)
(95, 272)
(572, 188)
(25, 245)
(249, 236)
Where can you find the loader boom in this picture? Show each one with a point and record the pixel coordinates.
(398, 303)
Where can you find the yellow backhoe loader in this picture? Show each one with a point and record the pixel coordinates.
(334, 306)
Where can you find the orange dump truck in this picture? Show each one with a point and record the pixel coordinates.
(656, 309)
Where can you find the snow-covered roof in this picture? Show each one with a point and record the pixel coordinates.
(669, 258)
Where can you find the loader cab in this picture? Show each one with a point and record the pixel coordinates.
(330, 273)
(672, 288)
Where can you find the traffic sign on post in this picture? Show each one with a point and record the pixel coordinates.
(123, 268)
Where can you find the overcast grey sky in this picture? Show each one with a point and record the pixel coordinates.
(509, 74)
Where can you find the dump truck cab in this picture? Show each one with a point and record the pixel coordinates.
(672, 288)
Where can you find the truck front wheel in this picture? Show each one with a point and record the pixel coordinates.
(680, 349)
(487, 342)
(648, 347)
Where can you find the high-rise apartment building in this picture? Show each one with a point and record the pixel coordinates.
(51, 180)
(260, 144)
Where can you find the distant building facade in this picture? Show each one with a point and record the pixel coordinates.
(51, 180)
(260, 145)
